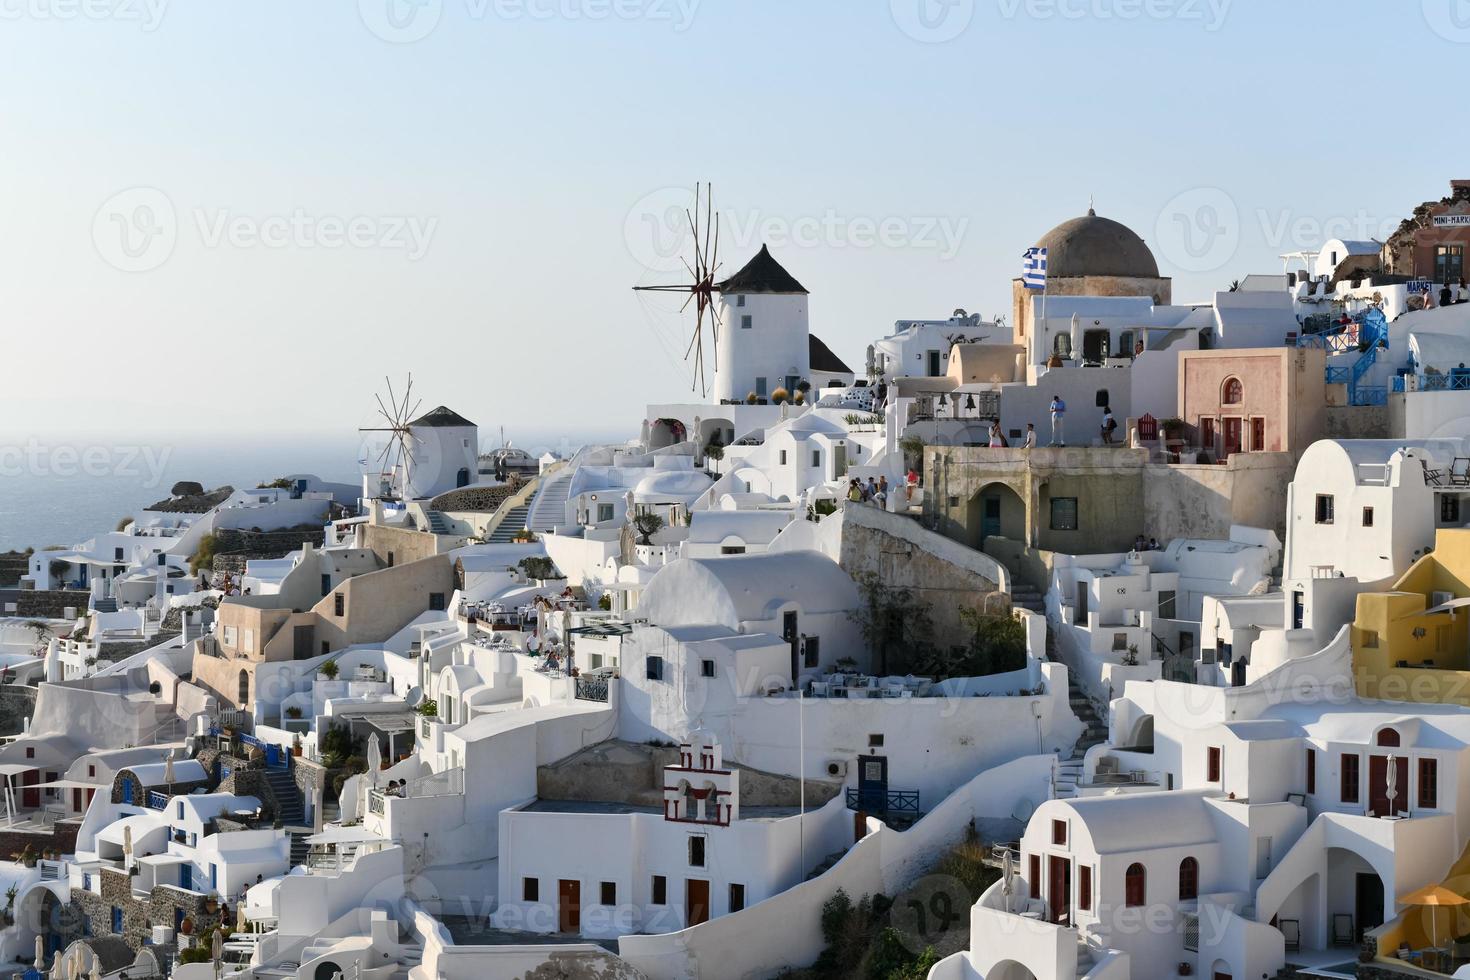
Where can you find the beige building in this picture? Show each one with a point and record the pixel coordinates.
(1270, 399)
(370, 608)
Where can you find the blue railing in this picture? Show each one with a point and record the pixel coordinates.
(157, 801)
(1338, 375)
(898, 801)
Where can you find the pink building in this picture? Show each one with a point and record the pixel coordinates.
(1265, 399)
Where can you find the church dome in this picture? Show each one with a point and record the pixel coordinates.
(1093, 246)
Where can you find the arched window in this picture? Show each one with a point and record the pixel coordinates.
(1135, 886)
(1232, 392)
(1388, 737)
(1188, 880)
(244, 689)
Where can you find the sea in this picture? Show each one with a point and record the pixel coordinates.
(63, 490)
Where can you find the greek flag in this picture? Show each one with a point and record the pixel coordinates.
(1033, 274)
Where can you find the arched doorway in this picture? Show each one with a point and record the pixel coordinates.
(244, 689)
(326, 970)
(664, 433)
(996, 511)
(1009, 970)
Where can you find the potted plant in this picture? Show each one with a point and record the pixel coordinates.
(1130, 659)
(186, 928)
(780, 396)
(27, 856)
(750, 399)
(211, 903)
(647, 525)
(329, 670)
(296, 746)
(293, 712)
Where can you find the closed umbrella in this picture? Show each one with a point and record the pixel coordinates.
(1006, 871)
(1433, 897)
(40, 952)
(168, 768)
(1393, 783)
(374, 758)
(127, 846)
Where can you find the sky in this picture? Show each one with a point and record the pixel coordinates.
(240, 216)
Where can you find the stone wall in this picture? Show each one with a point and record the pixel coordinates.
(1363, 422)
(141, 912)
(404, 545)
(633, 773)
(938, 573)
(13, 564)
(61, 839)
(140, 792)
(50, 603)
(17, 703)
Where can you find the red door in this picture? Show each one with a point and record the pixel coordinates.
(1059, 874)
(1232, 436)
(30, 798)
(1378, 785)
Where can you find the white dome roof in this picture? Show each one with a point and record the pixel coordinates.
(678, 484)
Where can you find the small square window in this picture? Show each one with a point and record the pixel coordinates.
(696, 851)
(737, 897)
(339, 605)
(782, 457)
(875, 741)
(655, 668)
(1059, 832)
(706, 668)
(760, 387)
(1449, 509)
(530, 889)
(1367, 516)
(1325, 508)
(436, 601)
(745, 322)
(609, 893)
(740, 300)
(660, 891)
(1064, 514)
(816, 457)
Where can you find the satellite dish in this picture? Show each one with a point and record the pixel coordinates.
(415, 697)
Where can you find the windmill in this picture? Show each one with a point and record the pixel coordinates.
(702, 286)
(395, 459)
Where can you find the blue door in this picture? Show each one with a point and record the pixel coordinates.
(128, 791)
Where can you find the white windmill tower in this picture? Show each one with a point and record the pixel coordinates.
(416, 457)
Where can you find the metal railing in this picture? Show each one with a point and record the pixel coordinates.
(896, 801)
(592, 689)
(156, 800)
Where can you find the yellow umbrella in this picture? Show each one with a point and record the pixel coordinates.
(1434, 896)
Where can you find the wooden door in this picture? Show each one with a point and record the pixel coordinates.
(30, 798)
(1378, 785)
(569, 905)
(696, 902)
(1059, 883)
(1368, 902)
(1232, 436)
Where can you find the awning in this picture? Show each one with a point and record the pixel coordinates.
(346, 835)
(383, 721)
(65, 784)
(1453, 604)
(15, 768)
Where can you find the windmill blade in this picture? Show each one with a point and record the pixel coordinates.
(407, 397)
(392, 398)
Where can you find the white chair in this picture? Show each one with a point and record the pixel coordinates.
(819, 689)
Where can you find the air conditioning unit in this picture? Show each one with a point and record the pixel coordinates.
(836, 768)
(163, 935)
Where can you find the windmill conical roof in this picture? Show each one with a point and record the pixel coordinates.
(762, 274)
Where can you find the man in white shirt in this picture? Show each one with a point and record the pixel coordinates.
(1058, 416)
(1030, 442)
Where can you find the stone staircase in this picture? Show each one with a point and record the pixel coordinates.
(437, 522)
(1094, 731)
(1027, 597)
(548, 509)
(108, 605)
(299, 847)
(512, 524)
(290, 804)
(826, 865)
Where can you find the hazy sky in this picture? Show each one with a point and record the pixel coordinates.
(224, 216)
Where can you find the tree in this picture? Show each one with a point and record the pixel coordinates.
(539, 567)
(896, 625)
(647, 524)
(997, 643)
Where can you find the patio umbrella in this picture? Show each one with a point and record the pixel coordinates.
(1393, 783)
(1433, 897)
(96, 968)
(216, 948)
(374, 758)
(168, 768)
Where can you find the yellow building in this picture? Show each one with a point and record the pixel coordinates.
(1413, 644)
